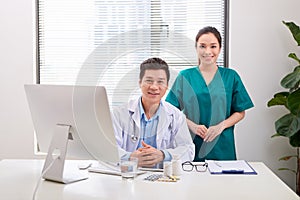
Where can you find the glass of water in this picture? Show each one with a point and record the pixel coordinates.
(129, 168)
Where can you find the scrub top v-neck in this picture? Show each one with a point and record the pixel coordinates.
(209, 104)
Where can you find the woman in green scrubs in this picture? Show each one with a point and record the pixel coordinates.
(213, 98)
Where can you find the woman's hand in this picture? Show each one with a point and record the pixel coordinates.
(214, 131)
(200, 130)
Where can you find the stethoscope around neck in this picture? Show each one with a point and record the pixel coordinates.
(134, 136)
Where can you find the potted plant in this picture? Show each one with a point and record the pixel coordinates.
(289, 124)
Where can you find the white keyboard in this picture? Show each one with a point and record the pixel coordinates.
(111, 170)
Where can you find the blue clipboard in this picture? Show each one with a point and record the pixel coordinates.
(230, 167)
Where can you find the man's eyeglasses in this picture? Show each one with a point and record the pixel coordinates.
(189, 166)
(160, 82)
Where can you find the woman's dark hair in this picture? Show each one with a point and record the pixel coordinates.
(206, 30)
(154, 63)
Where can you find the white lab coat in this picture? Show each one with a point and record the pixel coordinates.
(172, 132)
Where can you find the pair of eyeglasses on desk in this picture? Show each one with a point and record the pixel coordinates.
(189, 166)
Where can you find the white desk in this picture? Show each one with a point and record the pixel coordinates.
(19, 177)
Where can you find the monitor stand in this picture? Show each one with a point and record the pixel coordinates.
(55, 167)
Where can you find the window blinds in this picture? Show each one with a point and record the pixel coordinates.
(95, 42)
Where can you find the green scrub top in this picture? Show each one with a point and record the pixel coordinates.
(209, 105)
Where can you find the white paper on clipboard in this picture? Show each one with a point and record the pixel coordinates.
(227, 166)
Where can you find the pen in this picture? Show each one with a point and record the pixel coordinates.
(233, 171)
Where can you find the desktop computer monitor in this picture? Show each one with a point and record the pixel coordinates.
(71, 122)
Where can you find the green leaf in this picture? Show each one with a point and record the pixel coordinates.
(293, 102)
(295, 30)
(297, 68)
(279, 99)
(281, 94)
(275, 135)
(286, 158)
(287, 125)
(291, 79)
(287, 169)
(294, 56)
(295, 140)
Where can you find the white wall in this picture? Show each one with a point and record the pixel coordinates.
(259, 45)
(16, 65)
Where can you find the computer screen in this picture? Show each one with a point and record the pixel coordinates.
(75, 119)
